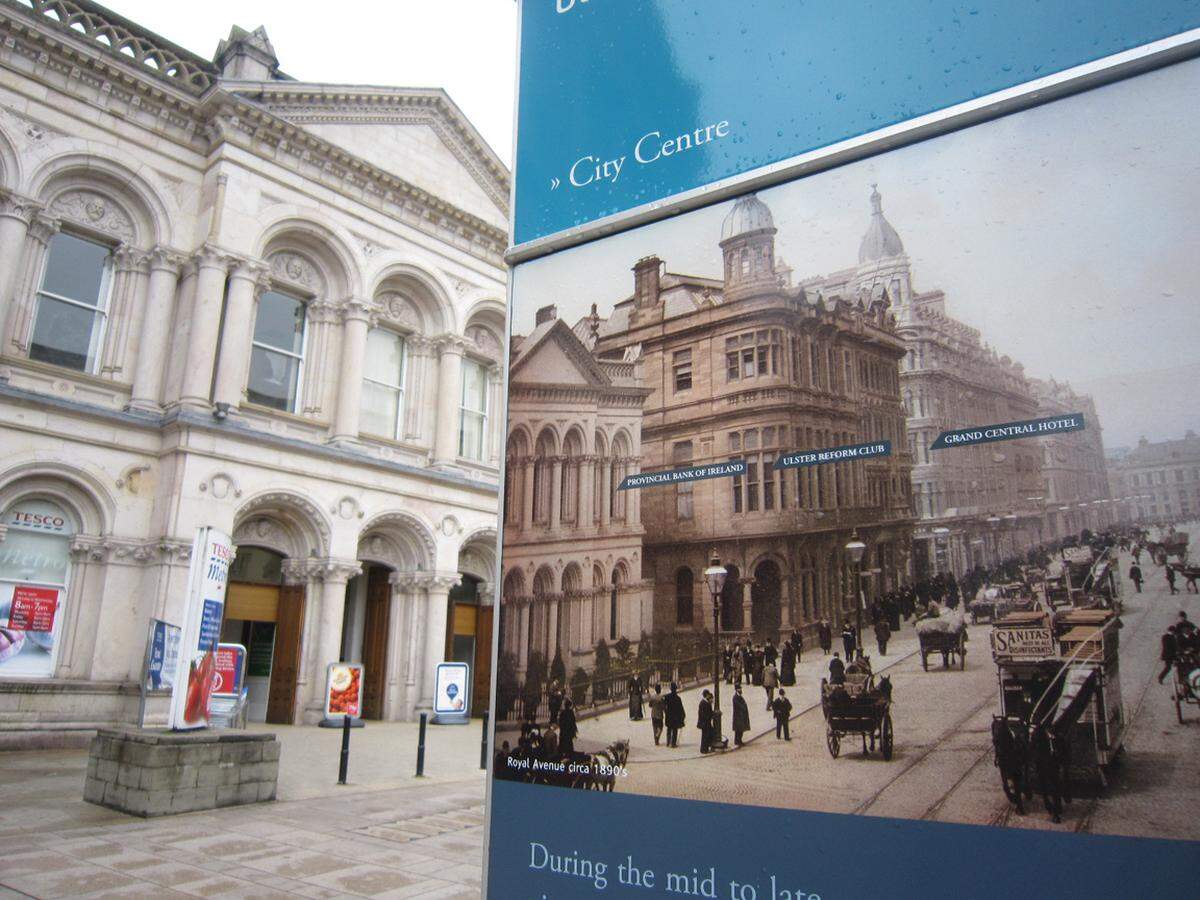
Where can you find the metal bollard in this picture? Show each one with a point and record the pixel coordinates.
(421, 746)
(483, 754)
(345, 761)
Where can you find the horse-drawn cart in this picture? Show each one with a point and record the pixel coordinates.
(858, 706)
(1060, 701)
(944, 633)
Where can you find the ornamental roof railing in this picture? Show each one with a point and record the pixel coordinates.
(123, 39)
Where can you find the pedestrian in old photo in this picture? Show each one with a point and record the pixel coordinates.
(748, 662)
(550, 744)
(1135, 575)
(883, 633)
(837, 670)
(1170, 573)
(656, 712)
(554, 697)
(825, 636)
(739, 667)
(636, 689)
(781, 707)
(567, 729)
(848, 640)
(770, 681)
(727, 664)
(770, 654)
(741, 716)
(1169, 652)
(673, 715)
(787, 664)
(704, 721)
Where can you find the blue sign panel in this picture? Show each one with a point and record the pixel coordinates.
(626, 102)
(210, 624)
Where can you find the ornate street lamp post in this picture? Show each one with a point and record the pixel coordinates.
(855, 550)
(714, 577)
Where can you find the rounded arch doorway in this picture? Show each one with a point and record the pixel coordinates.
(765, 599)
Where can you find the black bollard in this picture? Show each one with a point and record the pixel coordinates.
(483, 754)
(421, 747)
(345, 761)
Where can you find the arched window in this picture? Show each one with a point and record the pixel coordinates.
(277, 354)
(72, 304)
(684, 584)
(35, 568)
(543, 475)
(383, 384)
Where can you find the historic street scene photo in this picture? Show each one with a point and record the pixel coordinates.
(872, 493)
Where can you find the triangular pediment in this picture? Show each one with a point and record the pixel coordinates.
(417, 134)
(554, 355)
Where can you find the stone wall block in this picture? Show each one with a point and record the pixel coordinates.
(241, 753)
(93, 791)
(270, 752)
(237, 794)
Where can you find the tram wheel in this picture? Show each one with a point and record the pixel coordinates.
(886, 739)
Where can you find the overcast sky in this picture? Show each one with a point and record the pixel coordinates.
(467, 47)
(1069, 235)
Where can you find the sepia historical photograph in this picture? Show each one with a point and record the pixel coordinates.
(817, 601)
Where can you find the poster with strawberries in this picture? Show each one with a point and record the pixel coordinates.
(343, 691)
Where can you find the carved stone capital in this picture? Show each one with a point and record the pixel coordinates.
(43, 227)
(452, 344)
(356, 309)
(163, 258)
(14, 206)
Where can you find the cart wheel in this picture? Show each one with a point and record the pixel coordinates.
(1178, 706)
(962, 658)
(833, 742)
(886, 739)
(924, 662)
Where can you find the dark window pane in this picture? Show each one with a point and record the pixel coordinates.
(65, 335)
(280, 322)
(273, 379)
(75, 268)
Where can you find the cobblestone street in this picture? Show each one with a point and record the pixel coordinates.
(942, 769)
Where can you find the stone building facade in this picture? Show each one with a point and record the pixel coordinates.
(572, 539)
(232, 298)
(750, 367)
(1075, 485)
(973, 505)
(1158, 481)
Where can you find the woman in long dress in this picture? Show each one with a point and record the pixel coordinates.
(636, 689)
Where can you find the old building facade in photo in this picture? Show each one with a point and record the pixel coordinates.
(750, 367)
(973, 505)
(572, 540)
(1158, 481)
(235, 299)
(1075, 483)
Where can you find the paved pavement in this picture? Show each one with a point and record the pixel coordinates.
(385, 834)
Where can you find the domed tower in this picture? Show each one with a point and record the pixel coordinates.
(881, 257)
(748, 244)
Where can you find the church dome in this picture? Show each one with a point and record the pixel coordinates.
(881, 240)
(748, 215)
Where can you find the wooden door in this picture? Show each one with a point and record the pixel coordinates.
(481, 689)
(375, 635)
(285, 662)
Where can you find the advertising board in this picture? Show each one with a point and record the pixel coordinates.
(208, 577)
(343, 690)
(451, 693)
(779, 448)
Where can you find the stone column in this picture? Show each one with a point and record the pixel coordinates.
(400, 626)
(527, 468)
(15, 213)
(155, 340)
(23, 291)
(495, 410)
(605, 492)
(587, 491)
(437, 610)
(522, 635)
(415, 586)
(747, 604)
(418, 349)
(334, 575)
(356, 321)
(633, 499)
(246, 282)
(450, 355)
(205, 326)
(556, 494)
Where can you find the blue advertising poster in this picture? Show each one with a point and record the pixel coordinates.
(625, 102)
(846, 520)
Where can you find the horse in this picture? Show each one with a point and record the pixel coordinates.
(1010, 743)
(612, 757)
